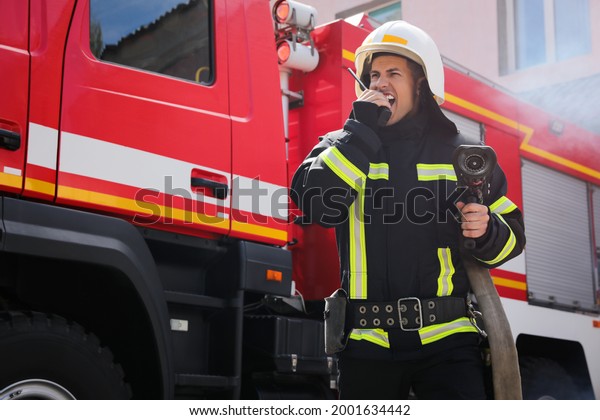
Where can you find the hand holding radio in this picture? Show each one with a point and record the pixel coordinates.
(383, 112)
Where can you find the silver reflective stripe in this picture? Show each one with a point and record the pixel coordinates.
(379, 171)
(436, 332)
(502, 206)
(508, 246)
(356, 179)
(435, 171)
(342, 167)
(357, 247)
(310, 160)
(377, 336)
(445, 284)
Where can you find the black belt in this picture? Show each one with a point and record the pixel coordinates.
(408, 314)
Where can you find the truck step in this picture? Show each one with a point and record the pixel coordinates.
(213, 381)
(200, 300)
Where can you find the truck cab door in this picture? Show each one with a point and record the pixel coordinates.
(145, 125)
(14, 87)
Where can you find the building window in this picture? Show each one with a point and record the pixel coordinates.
(379, 10)
(571, 28)
(534, 32)
(530, 34)
(386, 13)
(170, 37)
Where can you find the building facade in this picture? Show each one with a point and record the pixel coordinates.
(545, 51)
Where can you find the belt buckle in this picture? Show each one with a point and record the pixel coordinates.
(403, 308)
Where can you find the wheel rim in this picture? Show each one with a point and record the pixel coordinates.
(35, 389)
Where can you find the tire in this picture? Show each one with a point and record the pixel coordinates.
(545, 379)
(46, 357)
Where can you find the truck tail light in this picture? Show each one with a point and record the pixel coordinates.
(295, 13)
(282, 12)
(283, 52)
(274, 275)
(297, 56)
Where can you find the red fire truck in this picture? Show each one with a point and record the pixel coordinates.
(147, 243)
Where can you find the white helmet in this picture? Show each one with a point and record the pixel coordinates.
(402, 38)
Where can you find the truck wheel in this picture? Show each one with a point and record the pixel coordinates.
(46, 357)
(545, 379)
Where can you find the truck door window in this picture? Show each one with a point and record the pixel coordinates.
(171, 37)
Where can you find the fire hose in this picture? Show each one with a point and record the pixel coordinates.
(473, 164)
(505, 362)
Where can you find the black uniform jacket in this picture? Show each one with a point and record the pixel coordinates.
(390, 193)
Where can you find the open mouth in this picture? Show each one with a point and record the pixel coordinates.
(390, 98)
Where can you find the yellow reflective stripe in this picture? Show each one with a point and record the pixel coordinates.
(435, 171)
(357, 248)
(508, 247)
(355, 178)
(437, 332)
(11, 180)
(342, 167)
(39, 186)
(445, 284)
(394, 39)
(502, 206)
(376, 336)
(348, 55)
(379, 171)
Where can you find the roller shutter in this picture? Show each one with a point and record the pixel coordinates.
(596, 208)
(596, 221)
(469, 128)
(557, 226)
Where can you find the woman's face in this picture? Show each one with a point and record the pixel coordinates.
(391, 75)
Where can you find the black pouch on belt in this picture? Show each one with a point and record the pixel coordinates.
(335, 319)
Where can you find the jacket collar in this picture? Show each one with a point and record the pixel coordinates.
(429, 117)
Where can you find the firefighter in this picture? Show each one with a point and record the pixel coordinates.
(388, 187)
